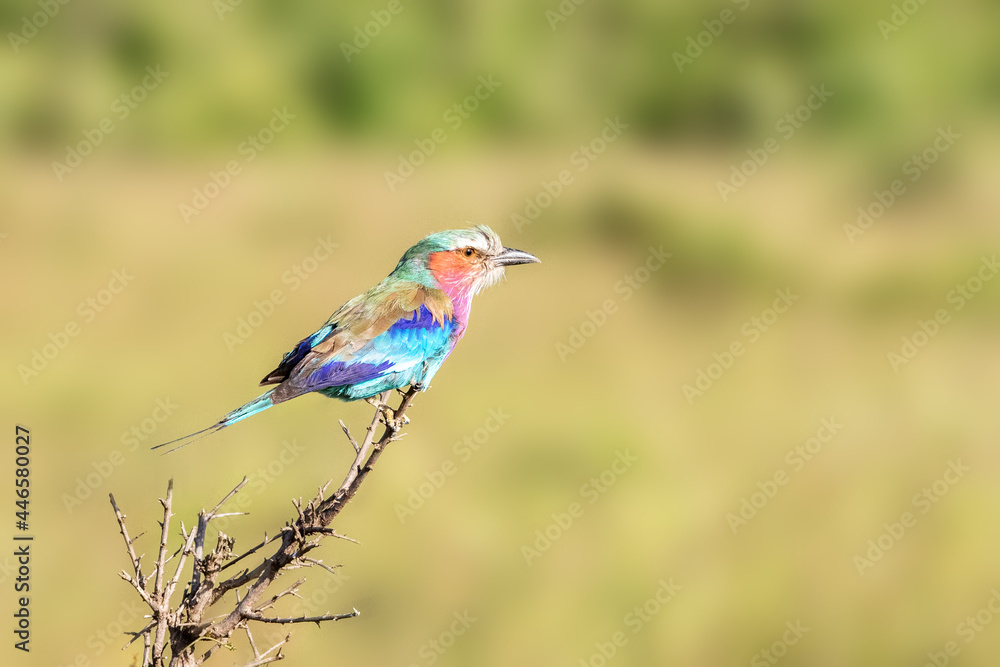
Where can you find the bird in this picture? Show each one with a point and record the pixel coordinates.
(396, 334)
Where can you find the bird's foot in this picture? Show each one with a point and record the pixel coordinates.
(396, 424)
(389, 418)
(385, 412)
(387, 415)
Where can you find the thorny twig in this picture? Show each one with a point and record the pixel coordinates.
(172, 633)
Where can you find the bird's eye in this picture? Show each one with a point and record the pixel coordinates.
(468, 252)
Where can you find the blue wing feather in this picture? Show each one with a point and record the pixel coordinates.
(334, 373)
(297, 354)
(399, 356)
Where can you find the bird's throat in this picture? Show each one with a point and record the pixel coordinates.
(454, 278)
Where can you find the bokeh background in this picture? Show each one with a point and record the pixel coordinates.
(620, 391)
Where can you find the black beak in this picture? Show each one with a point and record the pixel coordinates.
(510, 257)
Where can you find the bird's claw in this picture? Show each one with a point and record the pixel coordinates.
(388, 417)
(396, 424)
(383, 408)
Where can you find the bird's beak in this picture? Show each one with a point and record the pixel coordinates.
(510, 256)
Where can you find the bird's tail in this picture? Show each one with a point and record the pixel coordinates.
(259, 404)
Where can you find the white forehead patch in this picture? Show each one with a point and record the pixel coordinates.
(486, 240)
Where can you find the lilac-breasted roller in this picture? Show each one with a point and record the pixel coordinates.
(396, 334)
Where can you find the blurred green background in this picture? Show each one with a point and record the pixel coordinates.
(225, 67)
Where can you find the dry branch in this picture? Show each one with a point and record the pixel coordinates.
(177, 632)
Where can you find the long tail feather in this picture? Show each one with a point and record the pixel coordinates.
(259, 404)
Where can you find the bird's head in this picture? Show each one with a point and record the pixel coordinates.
(462, 261)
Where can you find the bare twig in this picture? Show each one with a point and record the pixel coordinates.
(350, 437)
(185, 625)
(164, 534)
(332, 569)
(138, 587)
(302, 619)
(265, 657)
(267, 540)
(136, 565)
(162, 604)
(136, 635)
(291, 590)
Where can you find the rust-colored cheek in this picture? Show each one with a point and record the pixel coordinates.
(450, 267)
